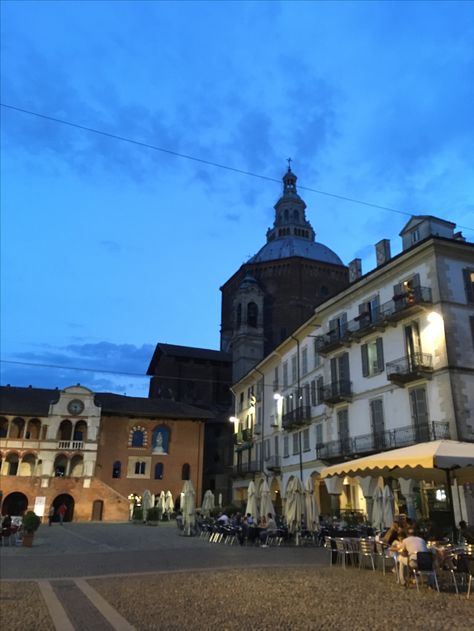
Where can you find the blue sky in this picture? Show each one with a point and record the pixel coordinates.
(108, 248)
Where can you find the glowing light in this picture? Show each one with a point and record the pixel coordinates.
(233, 419)
(277, 396)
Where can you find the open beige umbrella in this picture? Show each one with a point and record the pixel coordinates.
(188, 507)
(266, 504)
(438, 460)
(294, 504)
(252, 504)
(311, 508)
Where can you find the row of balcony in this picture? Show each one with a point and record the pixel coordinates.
(352, 447)
(402, 305)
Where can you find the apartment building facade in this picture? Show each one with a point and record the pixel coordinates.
(386, 363)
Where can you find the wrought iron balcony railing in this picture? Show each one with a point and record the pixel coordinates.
(337, 391)
(243, 468)
(409, 368)
(273, 463)
(383, 441)
(297, 417)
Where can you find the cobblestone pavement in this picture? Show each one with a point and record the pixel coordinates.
(152, 578)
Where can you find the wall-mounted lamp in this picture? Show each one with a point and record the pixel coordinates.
(277, 396)
(233, 419)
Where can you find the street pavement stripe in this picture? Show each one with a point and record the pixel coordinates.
(112, 616)
(56, 611)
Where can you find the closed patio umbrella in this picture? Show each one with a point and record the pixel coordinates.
(377, 509)
(207, 503)
(266, 504)
(294, 504)
(311, 507)
(252, 504)
(387, 506)
(169, 504)
(146, 502)
(161, 504)
(188, 507)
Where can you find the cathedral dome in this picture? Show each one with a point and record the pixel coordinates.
(295, 246)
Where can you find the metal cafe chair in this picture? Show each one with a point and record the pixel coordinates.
(424, 567)
(382, 551)
(346, 552)
(366, 552)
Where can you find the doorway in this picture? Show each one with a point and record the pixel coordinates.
(97, 510)
(68, 500)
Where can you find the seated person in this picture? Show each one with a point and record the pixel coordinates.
(410, 546)
(392, 534)
(269, 529)
(223, 519)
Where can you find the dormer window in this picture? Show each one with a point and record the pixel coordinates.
(415, 236)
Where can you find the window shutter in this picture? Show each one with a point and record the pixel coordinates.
(313, 392)
(468, 285)
(333, 369)
(320, 389)
(397, 289)
(365, 360)
(343, 362)
(363, 307)
(471, 319)
(380, 362)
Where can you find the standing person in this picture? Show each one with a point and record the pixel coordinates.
(61, 512)
(50, 515)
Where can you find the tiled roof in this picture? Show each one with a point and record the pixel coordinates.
(174, 350)
(36, 402)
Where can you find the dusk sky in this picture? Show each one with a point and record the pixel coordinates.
(109, 247)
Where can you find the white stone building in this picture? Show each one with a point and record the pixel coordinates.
(386, 363)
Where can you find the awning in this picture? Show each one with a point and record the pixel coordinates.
(424, 461)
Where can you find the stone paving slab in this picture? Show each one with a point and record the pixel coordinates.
(79, 609)
(267, 599)
(22, 607)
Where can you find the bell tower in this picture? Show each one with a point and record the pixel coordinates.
(248, 334)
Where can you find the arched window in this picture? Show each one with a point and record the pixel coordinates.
(252, 314)
(33, 430)
(80, 431)
(159, 471)
(185, 471)
(3, 427)
(116, 469)
(13, 461)
(139, 468)
(17, 428)
(138, 438)
(77, 467)
(296, 215)
(161, 439)
(65, 431)
(60, 466)
(239, 314)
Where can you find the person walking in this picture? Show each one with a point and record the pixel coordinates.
(50, 515)
(61, 512)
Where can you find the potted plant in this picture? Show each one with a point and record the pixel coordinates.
(30, 525)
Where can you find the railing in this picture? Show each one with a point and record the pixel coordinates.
(71, 444)
(409, 366)
(273, 462)
(247, 435)
(246, 467)
(410, 297)
(382, 441)
(337, 391)
(257, 429)
(297, 417)
(367, 321)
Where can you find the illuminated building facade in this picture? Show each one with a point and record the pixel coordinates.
(386, 363)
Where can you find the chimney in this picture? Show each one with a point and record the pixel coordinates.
(355, 270)
(382, 252)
